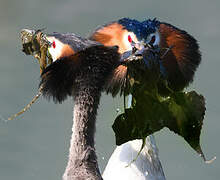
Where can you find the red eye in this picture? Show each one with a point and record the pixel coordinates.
(54, 44)
(129, 39)
(152, 40)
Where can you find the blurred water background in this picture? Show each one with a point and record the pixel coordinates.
(35, 146)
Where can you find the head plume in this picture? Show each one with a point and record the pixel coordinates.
(184, 57)
(141, 29)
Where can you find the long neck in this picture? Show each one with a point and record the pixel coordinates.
(82, 162)
(97, 64)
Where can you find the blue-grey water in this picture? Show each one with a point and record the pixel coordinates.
(35, 146)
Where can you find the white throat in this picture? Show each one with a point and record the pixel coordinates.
(55, 51)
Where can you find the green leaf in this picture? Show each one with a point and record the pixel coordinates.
(188, 111)
(181, 112)
(141, 120)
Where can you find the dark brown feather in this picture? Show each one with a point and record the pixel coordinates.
(183, 59)
(117, 80)
(91, 66)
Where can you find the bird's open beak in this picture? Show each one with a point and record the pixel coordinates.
(139, 48)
